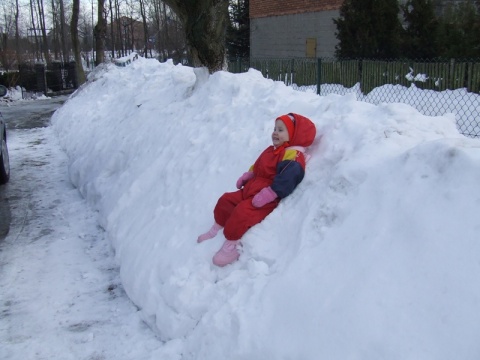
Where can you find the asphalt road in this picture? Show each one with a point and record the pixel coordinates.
(22, 116)
(61, 296)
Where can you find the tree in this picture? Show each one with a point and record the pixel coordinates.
(43, 28)
(62, 32)
(100, 33)
(17, 32)
(368, 29)
(34, 29)
(238, 31)
(76, 42)
(168, 32)
(58, 37)
(8, 22)
(145, 26)
(459, 31)
(420, 39)
(205, 23)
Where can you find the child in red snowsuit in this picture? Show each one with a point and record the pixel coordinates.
(275, 174)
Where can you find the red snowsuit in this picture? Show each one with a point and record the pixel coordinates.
(282, 169)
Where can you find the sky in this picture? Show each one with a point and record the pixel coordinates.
(375, 255)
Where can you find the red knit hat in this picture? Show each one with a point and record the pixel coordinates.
(289, 122)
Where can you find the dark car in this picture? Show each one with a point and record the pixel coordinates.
(4, 159)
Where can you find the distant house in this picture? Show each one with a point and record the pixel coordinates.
(293, 28)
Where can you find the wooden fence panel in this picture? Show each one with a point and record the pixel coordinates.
(259, 65)
(389, 72)
(346, 73)
(473, 84)
(372, 72)
(459, 76)
(328, 73)
(420, 70)
(441, 76)
(350, 71)
(438, 76)
(305, 72)
(273, 68)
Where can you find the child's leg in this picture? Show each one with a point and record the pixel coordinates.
(244, 216)
(210, 234)
(226, 205)
(241, 218)
(222, 211)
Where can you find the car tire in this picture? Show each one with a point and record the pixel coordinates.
(4, 163)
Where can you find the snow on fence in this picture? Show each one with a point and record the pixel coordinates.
(433, 88)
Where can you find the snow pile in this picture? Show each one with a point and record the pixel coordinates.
(374, 256)
(13, 94)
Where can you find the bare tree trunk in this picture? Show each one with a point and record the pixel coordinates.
(157, 27)
(132, 35)
(4, 47)
(205, 24)
(166, 36)
(34, 29)
(75, 43)
(132, 22)
(55, 33)
(112, 29)
(119, 28)
(17, 33)
(145, 27)
(100, 32)
(63, 36)
(45, 49)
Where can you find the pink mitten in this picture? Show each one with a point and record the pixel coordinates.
(265, 196)
(244, 178)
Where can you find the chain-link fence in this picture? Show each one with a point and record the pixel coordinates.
(432, 87)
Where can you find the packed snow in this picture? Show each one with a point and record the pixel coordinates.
(376, 254)
(60, 291)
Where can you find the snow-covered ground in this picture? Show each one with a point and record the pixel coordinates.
(60, 292)
(374, 256)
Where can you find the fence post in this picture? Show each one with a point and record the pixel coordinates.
(319, 75)
(292, 71)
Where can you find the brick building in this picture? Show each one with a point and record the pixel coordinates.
(293, 28)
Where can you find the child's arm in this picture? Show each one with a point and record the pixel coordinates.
(242, 180)
(290, 173)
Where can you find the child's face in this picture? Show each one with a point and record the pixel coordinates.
(280, 133)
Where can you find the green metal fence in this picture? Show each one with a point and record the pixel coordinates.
(432, 87)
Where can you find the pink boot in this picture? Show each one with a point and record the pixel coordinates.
(210, 234)
(227, 254)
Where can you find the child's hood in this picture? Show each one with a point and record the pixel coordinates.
(305, 131)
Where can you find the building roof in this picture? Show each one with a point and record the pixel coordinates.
(266, 8)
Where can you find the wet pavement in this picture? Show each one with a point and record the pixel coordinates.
(61, 296)
(21, 117)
